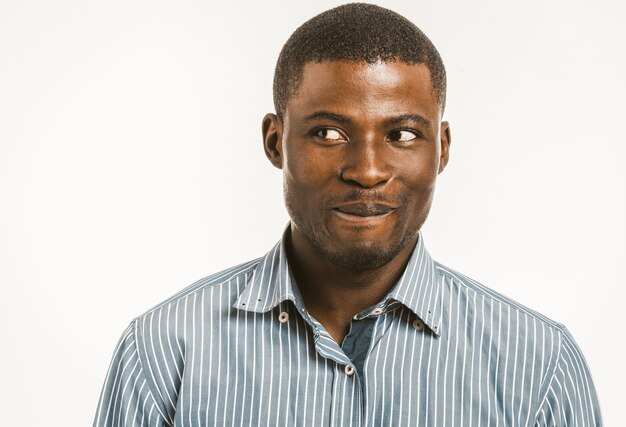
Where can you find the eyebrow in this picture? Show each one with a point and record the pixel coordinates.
(409, 118)
(392, 121)
(326, 115)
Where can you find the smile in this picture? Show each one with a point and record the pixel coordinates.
(363, 212)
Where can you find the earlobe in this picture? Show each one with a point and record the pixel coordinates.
(272, 137)
(446, 140)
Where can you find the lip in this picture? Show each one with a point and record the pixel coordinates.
(363, 212)
(365, 209)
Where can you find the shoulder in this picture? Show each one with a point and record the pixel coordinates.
(513, 331)
(213, 295)
(517, 335)
(163, 335)
(452, 279)
(231, 279)
(514, 335)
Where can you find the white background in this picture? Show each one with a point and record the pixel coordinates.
(131, 165)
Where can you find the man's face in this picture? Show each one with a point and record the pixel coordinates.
(360, 146)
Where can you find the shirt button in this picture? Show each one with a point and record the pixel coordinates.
(349, 370)
(283, 317)
(418, 324)
(377, 311)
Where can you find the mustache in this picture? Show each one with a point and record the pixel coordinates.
(366, 196)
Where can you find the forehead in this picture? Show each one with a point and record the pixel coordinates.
(359, 88)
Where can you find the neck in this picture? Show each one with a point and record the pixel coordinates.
(333, 294)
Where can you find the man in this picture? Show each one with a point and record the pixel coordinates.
(347, 321)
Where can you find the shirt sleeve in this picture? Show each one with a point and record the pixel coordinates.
(571, 398)
(126, 399)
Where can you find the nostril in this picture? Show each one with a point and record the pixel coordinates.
(365, 176)
(366, 163)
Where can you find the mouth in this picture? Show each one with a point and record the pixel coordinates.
(364, 210)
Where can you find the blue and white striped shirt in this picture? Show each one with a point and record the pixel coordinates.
(238, 348)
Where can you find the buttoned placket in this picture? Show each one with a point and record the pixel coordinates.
(349, 383)
(346, 388)
(367, 320)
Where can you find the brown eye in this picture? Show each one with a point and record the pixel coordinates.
(330, 134)
(402, 136)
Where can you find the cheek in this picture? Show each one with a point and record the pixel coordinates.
(309, 170)
(420, 179)
(420, 172)
(302, 183)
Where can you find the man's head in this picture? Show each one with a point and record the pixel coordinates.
(355, 32)
(359, 136)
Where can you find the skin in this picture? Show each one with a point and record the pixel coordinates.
(360, 146)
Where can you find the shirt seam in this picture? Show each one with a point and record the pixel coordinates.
(149, 379)
(554, 370)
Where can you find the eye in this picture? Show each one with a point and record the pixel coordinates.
(402, 136)
(330, 134)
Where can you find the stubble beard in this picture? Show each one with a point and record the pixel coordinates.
(360, 257)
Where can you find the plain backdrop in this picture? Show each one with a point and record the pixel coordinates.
(131, 165)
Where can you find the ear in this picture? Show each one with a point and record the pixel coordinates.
(272, 130)
(446, 139)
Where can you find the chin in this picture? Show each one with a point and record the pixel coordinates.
(360, 258)
(364, 255)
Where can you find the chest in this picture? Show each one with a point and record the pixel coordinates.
(264, 371)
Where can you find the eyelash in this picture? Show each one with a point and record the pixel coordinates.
(314, 133)
(416, 133)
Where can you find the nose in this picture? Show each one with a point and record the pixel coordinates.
(366, 164)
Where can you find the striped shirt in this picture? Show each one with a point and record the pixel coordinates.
(238, 348)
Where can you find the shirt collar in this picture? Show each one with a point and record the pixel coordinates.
(272, 283)
(418, 288)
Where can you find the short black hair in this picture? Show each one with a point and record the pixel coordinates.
(355, 32)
